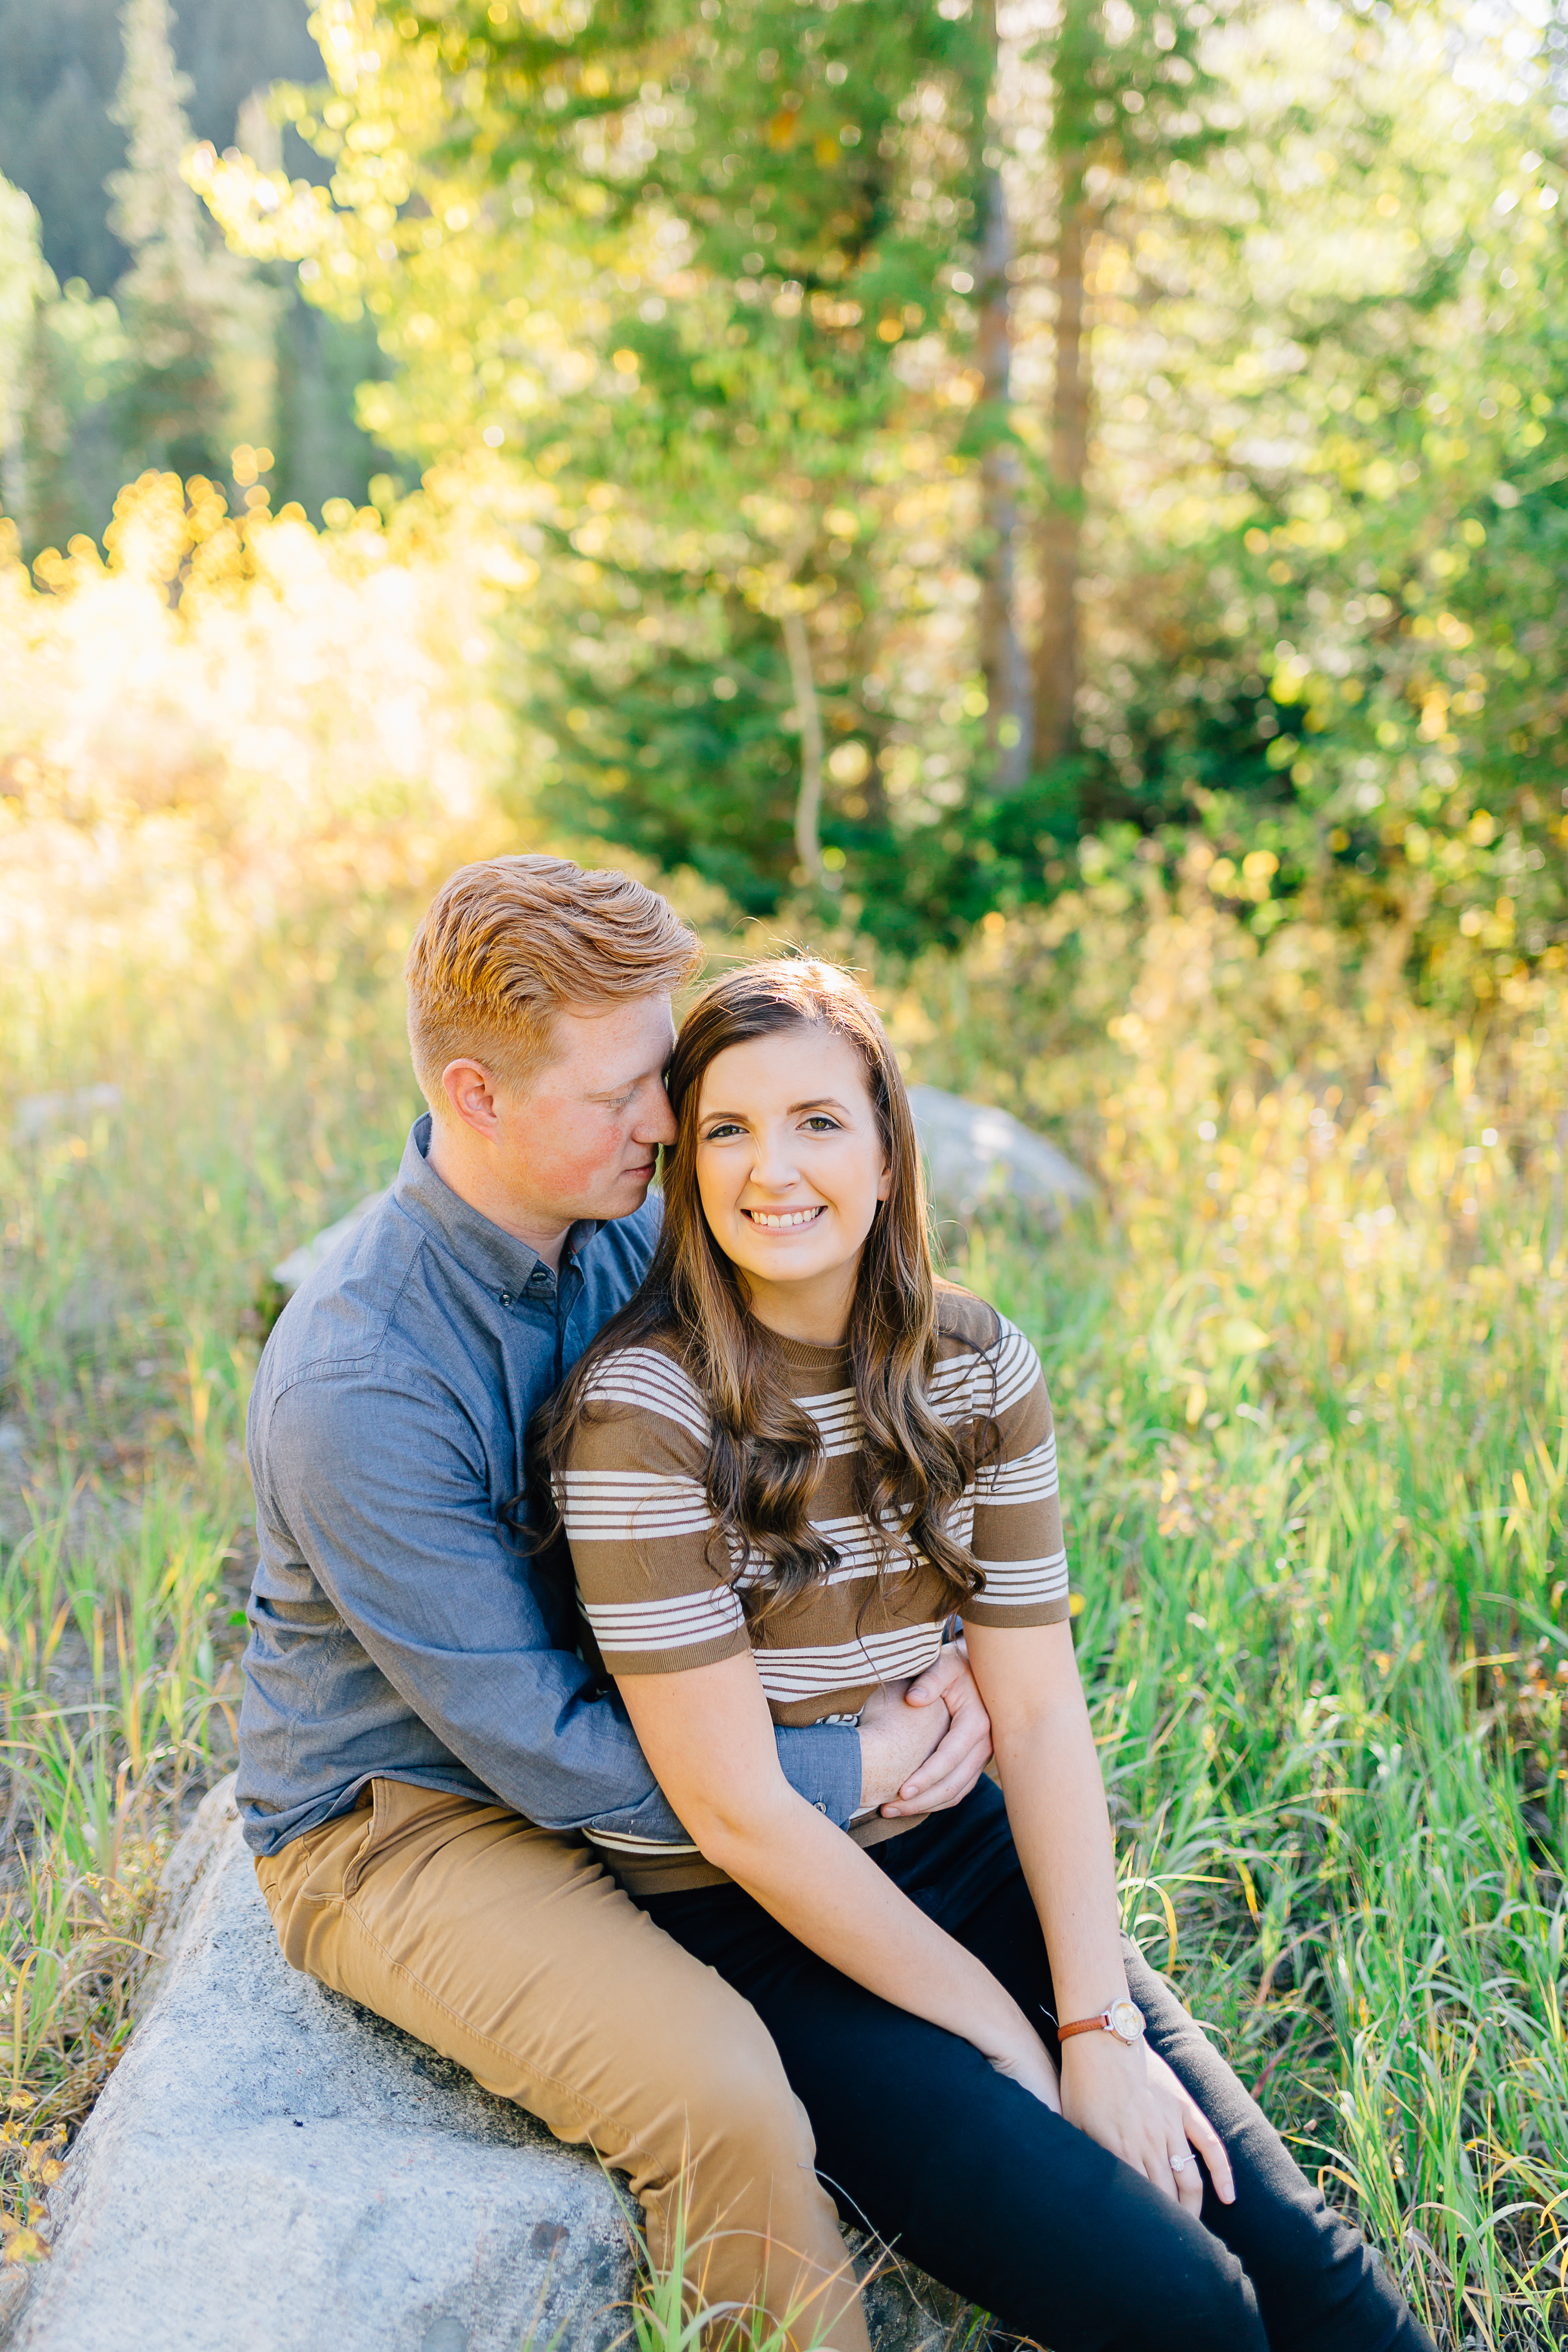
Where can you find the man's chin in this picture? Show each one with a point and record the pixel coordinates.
(631, 1191)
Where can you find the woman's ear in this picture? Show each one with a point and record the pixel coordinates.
(884, 1181)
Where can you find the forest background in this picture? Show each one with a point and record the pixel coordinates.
(1063, 505)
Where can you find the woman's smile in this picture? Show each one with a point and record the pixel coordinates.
(784, 1221)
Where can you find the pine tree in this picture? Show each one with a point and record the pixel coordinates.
(23, 282)
(778, 149)
(197, 321)
(43, 389)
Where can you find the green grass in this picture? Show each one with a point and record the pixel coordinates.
(1316, 1469)
(1309, 1376)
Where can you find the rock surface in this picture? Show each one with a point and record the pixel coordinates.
(978, 1158)
(290, 1271)
(981, 1158)
(36, 1115)
(274, 2169)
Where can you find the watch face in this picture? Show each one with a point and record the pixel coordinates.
(1126, 2020)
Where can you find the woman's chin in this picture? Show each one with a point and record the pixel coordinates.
(797, 1271)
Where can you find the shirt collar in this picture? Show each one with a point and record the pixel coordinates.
(498, 1259)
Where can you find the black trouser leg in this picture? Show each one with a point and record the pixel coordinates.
(986, 2189)
(1320, 2287)
(968, 2174)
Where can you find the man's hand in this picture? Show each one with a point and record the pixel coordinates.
(919, 1755)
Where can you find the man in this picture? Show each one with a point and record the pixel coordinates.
(427, 1763)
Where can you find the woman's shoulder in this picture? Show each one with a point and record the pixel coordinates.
(980, 1355)
(646, 1378)
(966, 1323)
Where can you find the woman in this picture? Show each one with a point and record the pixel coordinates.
(781, 1471)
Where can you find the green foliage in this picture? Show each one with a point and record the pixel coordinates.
(62, 358)
(100, 407)
(679, 288)
(775, 159)
(1350, 662)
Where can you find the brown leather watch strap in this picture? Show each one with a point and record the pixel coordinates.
(1100, 2024)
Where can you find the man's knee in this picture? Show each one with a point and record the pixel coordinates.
(738, 2103)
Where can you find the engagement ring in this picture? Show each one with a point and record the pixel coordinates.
(1178, 2162)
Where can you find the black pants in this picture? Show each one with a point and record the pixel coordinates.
(983, 2186)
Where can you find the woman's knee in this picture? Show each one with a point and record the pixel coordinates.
(1220, 2312)
(1188, 2293)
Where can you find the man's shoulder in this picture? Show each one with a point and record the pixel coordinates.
(341, 1324)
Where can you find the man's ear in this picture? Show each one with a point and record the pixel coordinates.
(471, 1092)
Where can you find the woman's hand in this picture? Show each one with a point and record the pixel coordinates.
(1028, 2061)
(1129, 2100)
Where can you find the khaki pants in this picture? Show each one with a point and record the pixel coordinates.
(512, 1950)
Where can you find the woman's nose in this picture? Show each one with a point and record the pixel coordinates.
(773, 1164)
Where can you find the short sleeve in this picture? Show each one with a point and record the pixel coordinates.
(639, 1523)
(1016, 1539)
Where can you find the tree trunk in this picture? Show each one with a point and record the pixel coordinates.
(1011, 709)
(14, 460)
(807, 711)
(1062, 525)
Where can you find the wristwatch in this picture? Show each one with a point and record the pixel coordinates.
(1124, 2018)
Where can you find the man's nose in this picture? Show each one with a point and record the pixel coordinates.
(658, 1124)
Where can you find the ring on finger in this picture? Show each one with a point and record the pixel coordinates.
(1180, 2163)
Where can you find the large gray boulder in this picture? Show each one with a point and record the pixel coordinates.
(978, 1158)
(290, 1271)
(272, 2168)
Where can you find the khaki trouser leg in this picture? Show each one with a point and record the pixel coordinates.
(513, 1951)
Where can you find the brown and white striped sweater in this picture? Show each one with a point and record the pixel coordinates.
(641, 1529)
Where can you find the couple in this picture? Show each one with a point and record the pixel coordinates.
(682, 1843)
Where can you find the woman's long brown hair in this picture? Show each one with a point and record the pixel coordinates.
(764, 1453)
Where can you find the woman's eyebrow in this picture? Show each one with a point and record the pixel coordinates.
(818, 1102)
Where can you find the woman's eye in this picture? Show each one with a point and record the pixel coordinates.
(721, 1134)
(820, 1124)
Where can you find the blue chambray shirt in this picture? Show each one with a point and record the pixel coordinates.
(397, 1628)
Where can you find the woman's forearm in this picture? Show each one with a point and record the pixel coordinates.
(708, 1736)
(1049, 1773)
(1123, 2095)
(830, 1896)
(1056, 1804)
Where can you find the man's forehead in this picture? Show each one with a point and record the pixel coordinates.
(618, 1042)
